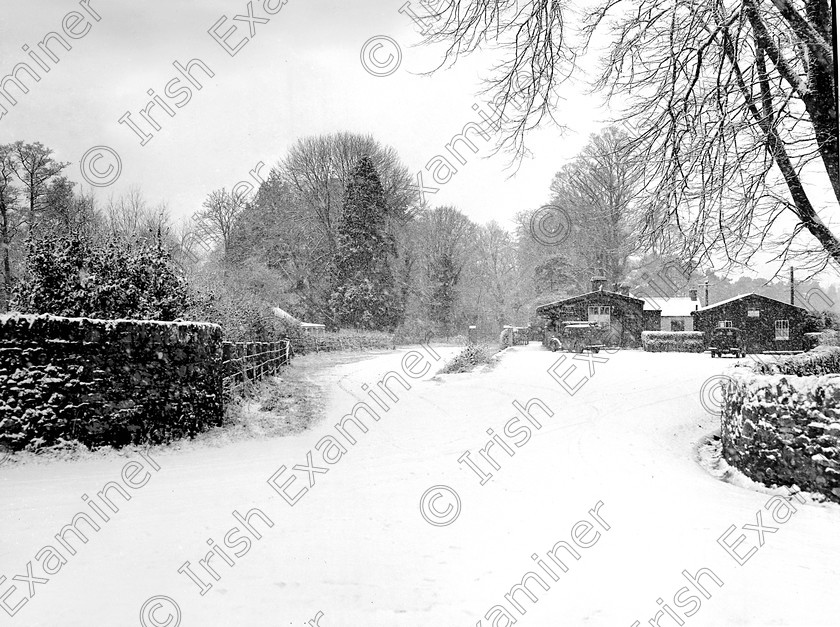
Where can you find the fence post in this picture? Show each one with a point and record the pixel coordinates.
(272, 356)
(244, 349)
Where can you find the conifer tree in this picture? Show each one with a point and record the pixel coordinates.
(364, 292)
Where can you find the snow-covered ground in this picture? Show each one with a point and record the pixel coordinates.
(356, 548)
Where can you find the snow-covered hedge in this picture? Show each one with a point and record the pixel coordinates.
(673, 341)
(106, 382)
(819, 361)
(780, 428)
(344, 341)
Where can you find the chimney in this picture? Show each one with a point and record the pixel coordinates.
(706, 284)
(792, 290)
(692, 294)
(598, 283)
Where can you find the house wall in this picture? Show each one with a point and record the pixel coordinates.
(759, 333)
(626, 320)
(652, 320)
(665, 322)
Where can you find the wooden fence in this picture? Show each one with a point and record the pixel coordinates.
(244, 363)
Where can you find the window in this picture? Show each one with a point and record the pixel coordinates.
(600, 314)
(782, 329)
(753, 313)
(677, 325)
(725, 324)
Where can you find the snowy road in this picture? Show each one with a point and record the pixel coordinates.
(356, 548)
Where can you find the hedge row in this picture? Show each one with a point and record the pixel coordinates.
(342, 342)
(673, 341)
(819, 361)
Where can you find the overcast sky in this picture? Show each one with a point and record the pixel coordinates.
(299, 75)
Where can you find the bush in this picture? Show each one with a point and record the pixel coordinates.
(673, 341)
(243, 316)
(107, 278)
(819, 361)
(465, 361)
(828, 337)
(414, 331)
(343, 341)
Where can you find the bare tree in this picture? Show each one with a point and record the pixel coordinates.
(218, 216)
(491, 278)
(131, 214)
(447, 235)
(65, 210)
(733, 106)
(319, 168)
(9, 220)
(36, 167)
(598, 190)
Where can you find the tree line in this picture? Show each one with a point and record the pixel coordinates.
(334, 235)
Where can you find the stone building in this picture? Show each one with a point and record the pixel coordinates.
(769, 325)
(619, 314)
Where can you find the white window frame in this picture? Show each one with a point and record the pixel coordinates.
(602, 314)
(724, 324)
(782, 329)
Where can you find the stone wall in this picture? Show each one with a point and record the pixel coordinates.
(785, 429)
(106, 382)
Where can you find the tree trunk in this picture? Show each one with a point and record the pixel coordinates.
(7, 270)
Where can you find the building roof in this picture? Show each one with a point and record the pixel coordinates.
(572, 299)
(740, 296)
(285, 315)
(675, 306)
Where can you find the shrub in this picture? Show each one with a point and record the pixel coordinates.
(343, 341)
(107, 278)
(828, 337)
(819, 361)
(243, 316)
(673, 341)
(414, 331)
(470, 357)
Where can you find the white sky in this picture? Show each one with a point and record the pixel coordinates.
(300, 75)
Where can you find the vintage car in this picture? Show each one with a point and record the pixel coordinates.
(728, 340)
(578, 336)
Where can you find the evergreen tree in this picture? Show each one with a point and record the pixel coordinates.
(364, 292)
(110, 277)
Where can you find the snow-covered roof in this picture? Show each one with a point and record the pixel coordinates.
(285, 315)
(675, 306)
(740, 296)
(580, 296)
